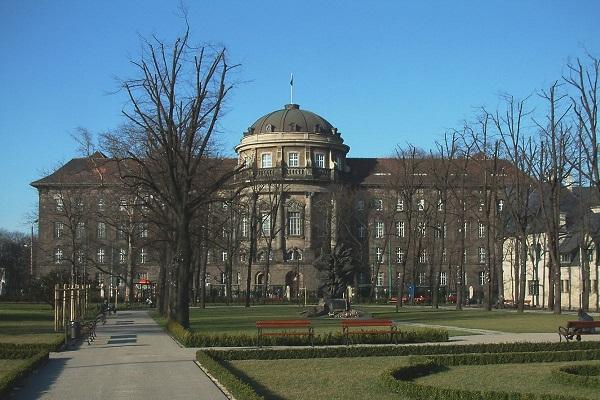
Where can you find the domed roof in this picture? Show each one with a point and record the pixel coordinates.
(291, 119)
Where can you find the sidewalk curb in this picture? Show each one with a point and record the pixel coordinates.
(215, 381)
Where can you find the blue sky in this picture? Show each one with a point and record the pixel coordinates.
(383, 72)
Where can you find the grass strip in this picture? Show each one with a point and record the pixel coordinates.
(8, 380)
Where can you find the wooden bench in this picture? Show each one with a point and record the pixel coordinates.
(373, 327)
(295, 327)
(578, 328)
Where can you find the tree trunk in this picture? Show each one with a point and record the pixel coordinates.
(184, 258)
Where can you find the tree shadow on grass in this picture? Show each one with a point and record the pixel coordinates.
(260, 389)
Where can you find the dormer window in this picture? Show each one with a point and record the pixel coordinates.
(269, 128)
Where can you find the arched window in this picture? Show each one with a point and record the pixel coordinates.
(294, 255)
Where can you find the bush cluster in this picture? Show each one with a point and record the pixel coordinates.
(196, 339)
(587, 375)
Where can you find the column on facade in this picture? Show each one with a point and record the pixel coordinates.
(279, 238)
(333, 221)
(307, 221)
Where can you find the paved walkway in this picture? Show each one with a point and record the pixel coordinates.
(132, 358)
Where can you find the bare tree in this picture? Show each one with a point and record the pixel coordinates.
(175, 105)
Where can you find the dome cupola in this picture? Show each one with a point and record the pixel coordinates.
(291, 119)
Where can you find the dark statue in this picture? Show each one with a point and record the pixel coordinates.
(337, 272)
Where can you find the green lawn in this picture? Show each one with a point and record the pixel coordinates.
(236, 319)
(27, 323)
(358, 378)
(8, 365)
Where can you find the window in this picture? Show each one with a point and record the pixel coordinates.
(360, 205)
(400, 205)
(422, 278)
(444, 256)
(339, 162)
(60, 205)
(379, 255)
(293, 159)
(440, 205)
(423, 257)
(590, 255)
(294, 255)
(380, 278)
(564, 286)
(223, 256)
(244, 228)
(58, 230)
(122, 256)
(379, 228)
(465, 229)
(481, 205)
(422, 229)
(122, 204)
(481, 230)
(565, 258)
(294, 223)
(482, 255)
(121, 231)
(500, 205)
(266, 160)
(319, 160)
(224, 232)
(224, 206)
(101, 230)
(362, 230)
(399, 255)
(101, 256)
(58, 256)
(421, 205)
(79, 204)
(80, 230)
(101, 205)
(534, 287)
(443, 278)
(143, 230)
(266, 224)
(378, 204)
(79, 256)
(400, 228)
(440, 231)
(465, 256)
(481, 278)
(143, 255)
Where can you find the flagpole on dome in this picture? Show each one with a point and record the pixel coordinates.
(292, 88)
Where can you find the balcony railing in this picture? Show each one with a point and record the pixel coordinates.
(289, 173)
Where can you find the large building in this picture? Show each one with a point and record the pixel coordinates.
(413, 220)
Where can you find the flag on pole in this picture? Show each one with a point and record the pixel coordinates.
(292, 80)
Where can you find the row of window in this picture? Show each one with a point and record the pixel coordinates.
(377, 204)
(101, 230)
(422, 278)
(424, 255)
(293, 160)
(441, 230)
(124, 204)
(101, 256)
(290, 255)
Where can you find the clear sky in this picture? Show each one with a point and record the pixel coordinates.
(383, 72)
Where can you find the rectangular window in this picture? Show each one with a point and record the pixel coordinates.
(481, 278)
(500, 205)
(360, 205)
(565, 258)
(380, 278)
(319, 160)
(421, 205)
(101, 230)
(293, 159)
(122, 204)
(481, 230)
(564, 286)
(590, 255)
(244, 228)
(58, 230)
(422, 229)
(58, 256)
(443, 278)
(444, 257)
(379, 228)
(266, 224)
(362, 231)
(101, 256)
(378, 204)
(143, 255)
(400, 229)
(400, 205)
(80, 230)
(294, 223)
(534, 287)
(379, 254)
(122, 256)
(422, 278)
(143, 230)
(266, 160)
(79, 256)
(465, 230)
(60, 205)
(423, 257)
(224, 256)
(121, 231)
(440, 205)
(101, 204)
(464, 256)
(399, 255)
(482, 255)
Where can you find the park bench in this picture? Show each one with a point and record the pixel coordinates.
(296, 327)
(577, 328)
(89, 327)
(368, 327)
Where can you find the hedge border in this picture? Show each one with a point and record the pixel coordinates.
(571, 375)
(195, 339)
(216, 362)
(8, 380)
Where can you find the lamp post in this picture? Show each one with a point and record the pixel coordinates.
(297, 255)
(31, 250)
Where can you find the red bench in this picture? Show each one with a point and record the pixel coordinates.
(296, 327)
(577, 328)
(368, 327)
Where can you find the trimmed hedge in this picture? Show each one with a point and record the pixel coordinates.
(196, 339)
(236, 386)
(8, 380)
(399, 380)
(55, 345)
(587, 375)
(493, 349)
